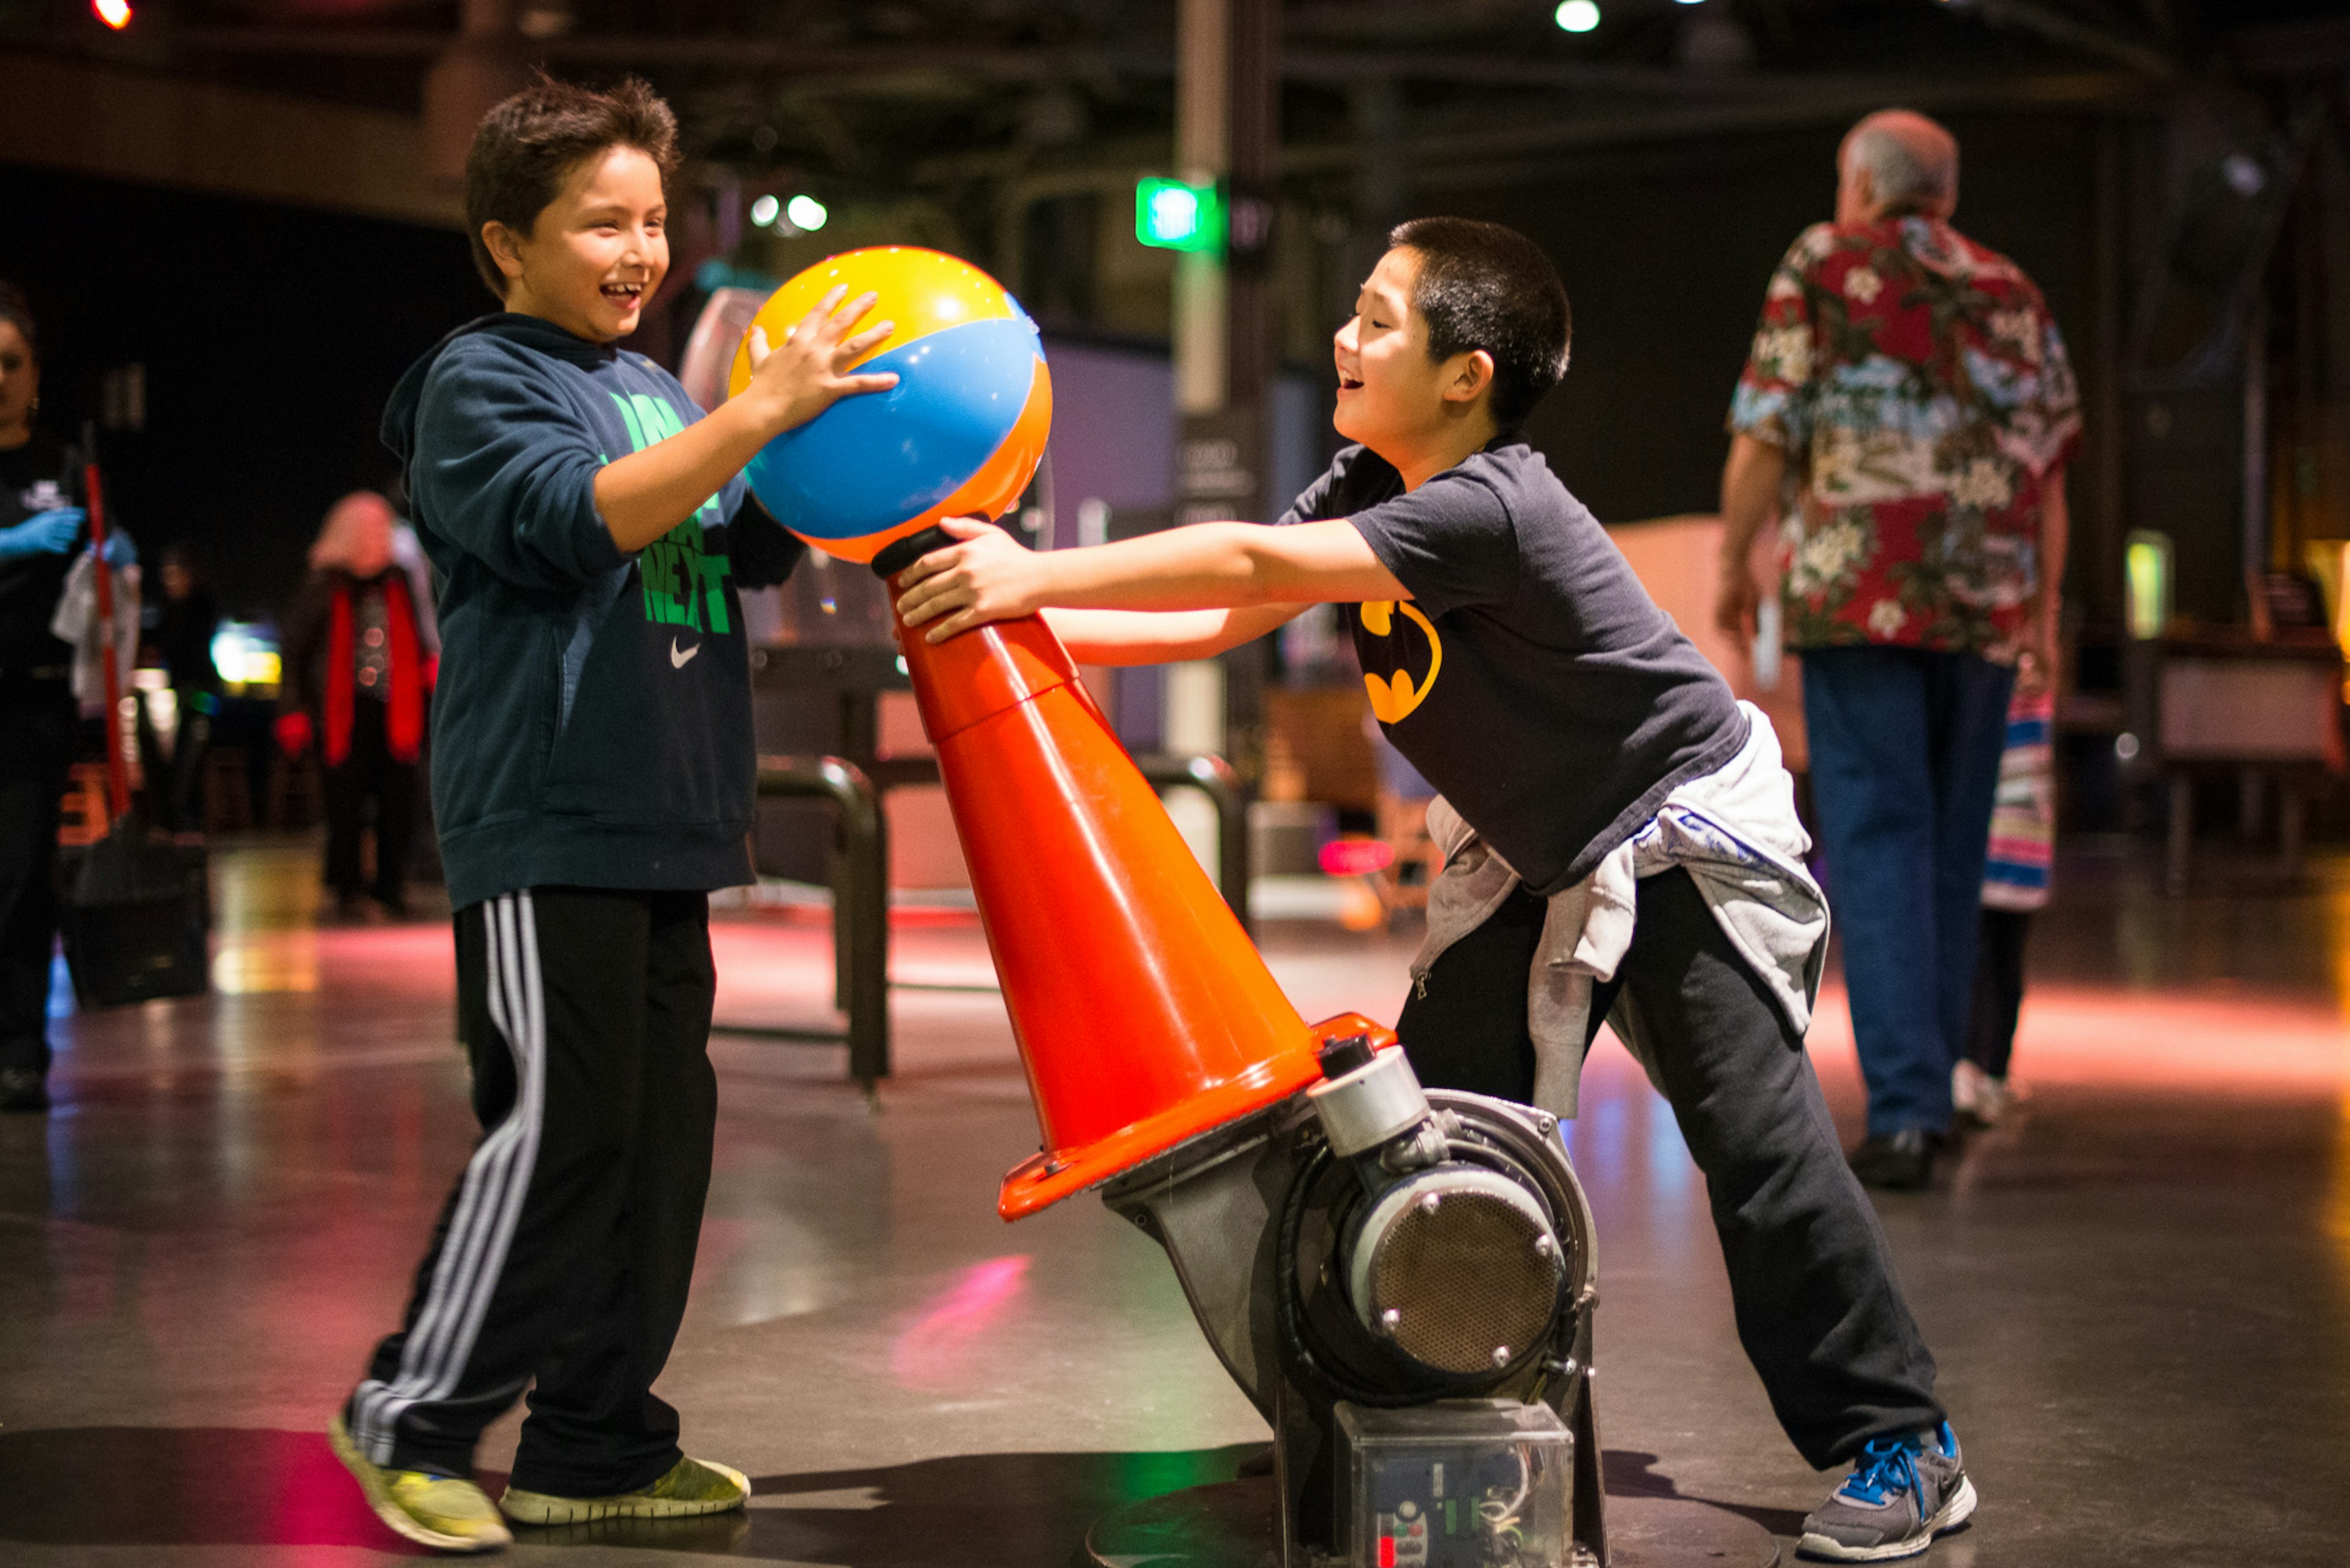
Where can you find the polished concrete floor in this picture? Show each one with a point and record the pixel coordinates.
(2139, 1293)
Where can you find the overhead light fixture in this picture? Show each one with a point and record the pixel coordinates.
(544, 19)
(807, 214)
(1577, 15)
(115, 14)
(764, 210)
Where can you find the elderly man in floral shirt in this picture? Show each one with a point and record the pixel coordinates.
(1907, 410)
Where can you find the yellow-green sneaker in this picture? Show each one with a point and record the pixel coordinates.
(444, 1512)
(692, 1487)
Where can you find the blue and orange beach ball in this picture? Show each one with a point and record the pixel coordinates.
(960, 435)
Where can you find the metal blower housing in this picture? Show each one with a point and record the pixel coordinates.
(1458, 1267)
(1419, 1255)
(1373, 1244)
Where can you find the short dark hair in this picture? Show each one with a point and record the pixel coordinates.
(1481, 285)
(18, 310)
(528, 145)
(185, 557)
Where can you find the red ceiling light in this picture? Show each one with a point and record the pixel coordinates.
(115, 14)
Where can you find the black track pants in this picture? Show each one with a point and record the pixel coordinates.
(36, 743)
(565, 1252)
(1818, 1310)
(1998, 989)
(370, 771)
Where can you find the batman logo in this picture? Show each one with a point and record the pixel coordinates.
(1396, 694)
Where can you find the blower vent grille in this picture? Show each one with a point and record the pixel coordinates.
(1462, 1281)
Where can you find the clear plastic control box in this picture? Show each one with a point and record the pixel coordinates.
(1465, 1483)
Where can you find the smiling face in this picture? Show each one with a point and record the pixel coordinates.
(595, 253)
(1381, 352)
(1392, 397)
(20, 383)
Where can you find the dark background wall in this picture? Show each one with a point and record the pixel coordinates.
(1666, 253)
(270, 337)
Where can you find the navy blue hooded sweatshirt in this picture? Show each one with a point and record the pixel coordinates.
(592, 723)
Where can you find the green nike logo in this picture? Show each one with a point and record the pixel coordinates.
(684, 584)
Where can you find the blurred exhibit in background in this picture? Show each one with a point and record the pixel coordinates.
(238, 219)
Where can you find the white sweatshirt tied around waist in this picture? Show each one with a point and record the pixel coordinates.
(1734, 831)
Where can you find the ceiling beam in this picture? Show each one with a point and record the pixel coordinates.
(2293, 49)
(779, 58)
(120, 124)
(2059, 26)
(1829, 101)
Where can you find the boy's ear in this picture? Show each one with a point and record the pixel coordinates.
(505, 247)
(1469, 377)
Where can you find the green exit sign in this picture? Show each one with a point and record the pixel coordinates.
(1175, 216)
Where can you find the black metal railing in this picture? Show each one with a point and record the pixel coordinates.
(860, 907)
(1213, 777)
(860, 878)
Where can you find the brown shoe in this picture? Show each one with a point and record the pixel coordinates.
(1896, 1162)
(24, 1089)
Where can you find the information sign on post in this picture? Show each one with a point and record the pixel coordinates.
(1173, 216)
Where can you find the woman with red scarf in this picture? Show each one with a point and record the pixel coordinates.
(355, 679)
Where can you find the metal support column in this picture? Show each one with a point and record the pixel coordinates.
(1214, 777)
(860, 907)
(1226, 133)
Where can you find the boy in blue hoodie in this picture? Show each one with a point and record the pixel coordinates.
(592, 778)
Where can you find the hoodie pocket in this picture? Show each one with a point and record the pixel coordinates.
(657, 731)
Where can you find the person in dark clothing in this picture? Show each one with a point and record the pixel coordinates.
(186, 619)
(354, 682)
(593, 773)
(2015, 885)
(41, 528)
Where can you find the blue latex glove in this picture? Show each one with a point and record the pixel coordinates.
(51, 532)
(120, 551)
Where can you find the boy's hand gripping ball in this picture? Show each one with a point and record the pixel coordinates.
(960, 435)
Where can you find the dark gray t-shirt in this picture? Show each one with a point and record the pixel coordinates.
(1529, 676)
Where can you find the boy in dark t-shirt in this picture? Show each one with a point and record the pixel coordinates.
(1547, 651)
(1619, 833)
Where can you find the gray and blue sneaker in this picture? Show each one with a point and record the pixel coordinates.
(1903, 1492)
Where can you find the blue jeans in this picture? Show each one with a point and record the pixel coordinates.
(1905, 747)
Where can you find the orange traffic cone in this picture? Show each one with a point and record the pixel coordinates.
(1144, 1015)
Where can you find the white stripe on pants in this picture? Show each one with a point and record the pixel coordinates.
(490, 1201)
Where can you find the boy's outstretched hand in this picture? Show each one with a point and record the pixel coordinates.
(985, 577)
(793, 382)
(645, 494)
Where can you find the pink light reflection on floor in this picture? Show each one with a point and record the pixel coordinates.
(929, 1350)
(776, 968)
(2104, 1036)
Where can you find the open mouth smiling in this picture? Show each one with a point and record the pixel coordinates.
(627, 295)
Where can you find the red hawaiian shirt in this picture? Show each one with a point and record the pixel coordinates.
(1922, 394)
